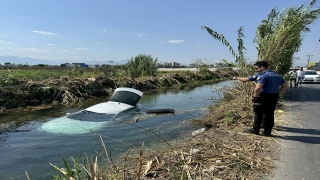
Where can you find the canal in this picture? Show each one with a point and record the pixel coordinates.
(31, 147)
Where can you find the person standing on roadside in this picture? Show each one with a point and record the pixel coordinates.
(293, 78)
(300, 75)
(265, 96)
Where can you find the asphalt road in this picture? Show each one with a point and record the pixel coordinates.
(300, 137)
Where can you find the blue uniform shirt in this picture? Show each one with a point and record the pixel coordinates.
(270, 80)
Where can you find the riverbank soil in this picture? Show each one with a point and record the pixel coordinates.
(27, 95)
(64, 90)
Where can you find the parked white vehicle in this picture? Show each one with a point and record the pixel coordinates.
(311, 76)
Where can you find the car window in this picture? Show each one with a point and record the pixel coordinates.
(310, 73)
(126, 97)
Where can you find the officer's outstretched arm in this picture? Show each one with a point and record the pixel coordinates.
(243, 79)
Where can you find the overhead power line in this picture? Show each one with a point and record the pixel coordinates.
(315, 47)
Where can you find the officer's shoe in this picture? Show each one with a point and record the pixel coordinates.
(267, 134)
(251, 131)
(262, 126)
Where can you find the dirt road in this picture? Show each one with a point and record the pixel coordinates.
(300, 136)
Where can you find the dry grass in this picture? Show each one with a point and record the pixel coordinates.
(218, 153)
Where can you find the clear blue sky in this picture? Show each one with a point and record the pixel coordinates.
(169, 30)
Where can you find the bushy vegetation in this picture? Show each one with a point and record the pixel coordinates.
(280, 35)
(277, 39)
(142, 65)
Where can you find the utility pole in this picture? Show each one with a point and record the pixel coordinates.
(308, 60)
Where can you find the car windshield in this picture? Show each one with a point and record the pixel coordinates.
(310, 73)
(91, 116)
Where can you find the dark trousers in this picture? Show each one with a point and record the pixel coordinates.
(294, 80)
(263, 109)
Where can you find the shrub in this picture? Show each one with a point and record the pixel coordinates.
(141, 65)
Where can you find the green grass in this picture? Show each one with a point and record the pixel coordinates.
(13, 76)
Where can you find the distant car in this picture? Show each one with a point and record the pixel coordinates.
(311, 76)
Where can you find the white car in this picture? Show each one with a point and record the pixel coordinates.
(97, 116)
(311, 76)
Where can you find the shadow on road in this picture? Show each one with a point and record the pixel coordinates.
(303, 138)
(306, 93)
(301, 131)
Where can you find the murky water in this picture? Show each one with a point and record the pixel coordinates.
(31, 149)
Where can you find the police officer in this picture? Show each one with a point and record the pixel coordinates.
(265, 96)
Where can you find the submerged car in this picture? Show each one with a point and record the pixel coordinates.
(97, 116)
(311, 76)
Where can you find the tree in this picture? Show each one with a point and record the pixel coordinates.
(277, 38)
(42, 65)
(142, 65)
(280, 35)
(240, 56)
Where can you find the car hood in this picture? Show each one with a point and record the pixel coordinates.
(311, 76)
